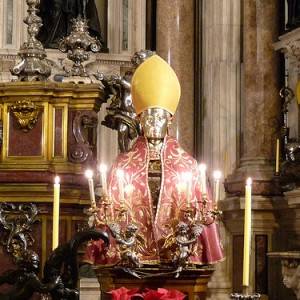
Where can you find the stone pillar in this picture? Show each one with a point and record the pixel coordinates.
(221, 72)
(175, 43)
(260, 111)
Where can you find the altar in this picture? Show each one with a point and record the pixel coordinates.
(193, 282)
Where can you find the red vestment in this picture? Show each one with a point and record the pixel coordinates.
(155, 228)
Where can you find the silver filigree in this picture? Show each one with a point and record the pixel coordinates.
(33, 66)
(78, 45)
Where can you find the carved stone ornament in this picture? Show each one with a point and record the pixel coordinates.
(26, 114)
(82, 150)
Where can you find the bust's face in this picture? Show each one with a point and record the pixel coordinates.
(154, 122)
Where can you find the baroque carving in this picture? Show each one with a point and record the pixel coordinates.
(16, 221)
(26, 114)
(82, 149)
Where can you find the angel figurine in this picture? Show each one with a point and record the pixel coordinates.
(128, 243)
(183, 237)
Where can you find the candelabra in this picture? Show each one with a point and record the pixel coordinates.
(33, 66)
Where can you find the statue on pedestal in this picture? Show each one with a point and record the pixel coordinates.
(57, 16)
(160, 182)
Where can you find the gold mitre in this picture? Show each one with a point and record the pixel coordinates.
(155, 84)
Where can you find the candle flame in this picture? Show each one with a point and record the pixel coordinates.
(56, 180)
(249, 181)
(89, 174)
(186, 176)
(202, 167)
(129, 189)
(217, 175)
(103, 168)
(120, 173)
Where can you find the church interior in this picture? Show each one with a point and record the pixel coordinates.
(149, 149)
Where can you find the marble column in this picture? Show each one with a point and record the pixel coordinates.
(221, 72)
(260, 97)
(175, 43)
(260, 112)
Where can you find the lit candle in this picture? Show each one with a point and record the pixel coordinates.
(55, 224)
(103, 171)
(277, 157)
(129, 191)
(202, 169)
(188, 179)
(120, 176)
(217, 176)
(247, 233)
(89, 175)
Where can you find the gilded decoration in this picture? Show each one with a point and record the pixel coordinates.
(26, 114)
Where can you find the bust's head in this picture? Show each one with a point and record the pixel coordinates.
(154, 122)
(155, 93)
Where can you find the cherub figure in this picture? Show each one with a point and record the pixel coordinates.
(185, 238)
(128, 243)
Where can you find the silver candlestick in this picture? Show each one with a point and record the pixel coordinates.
(33, 66)
(78, 45)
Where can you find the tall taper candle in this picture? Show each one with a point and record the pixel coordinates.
(247, 233)
(188, 178)
(55, 224)
(89, 175)
(202, 169)
(217, 176)
(277, 157)
(103, 173)
(120, 176)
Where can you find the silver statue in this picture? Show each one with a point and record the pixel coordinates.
(128, 242)
(186, 237)
(140, 56)
(33, 66)
(121, 115)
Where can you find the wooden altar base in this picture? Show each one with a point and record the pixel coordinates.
(192, 282)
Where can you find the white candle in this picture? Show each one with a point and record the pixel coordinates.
(188, 179)
(217, 176)
(89, 175)
(247, 233)
(120, 176)
(202, 169)
(55, 224)
(103, 173)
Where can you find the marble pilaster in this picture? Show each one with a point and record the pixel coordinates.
(221, 70)
(175, 43)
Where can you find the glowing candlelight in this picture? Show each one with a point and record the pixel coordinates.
(103, 173)
(129, 191)
(202, 169)
(247, 233)
(89, 175)
(188, 179)
(277, 157)
(120, 176)
(55, 224)
(217, 176)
